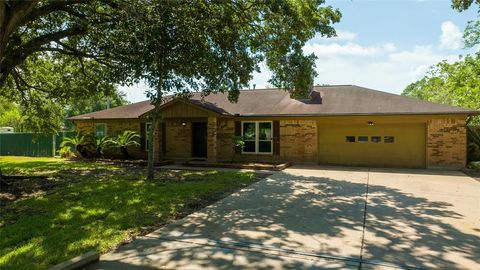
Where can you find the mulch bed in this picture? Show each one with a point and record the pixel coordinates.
(250, 166)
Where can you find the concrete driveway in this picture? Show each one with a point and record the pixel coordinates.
(324, 218)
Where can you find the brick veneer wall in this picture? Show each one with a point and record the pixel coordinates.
(298, 140)
(298, 143)
(446, 142)
(178, 139)
(225, 139)
(114, 128)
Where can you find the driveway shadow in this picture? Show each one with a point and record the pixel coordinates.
(275, 222)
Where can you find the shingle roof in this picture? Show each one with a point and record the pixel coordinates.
(328, 100)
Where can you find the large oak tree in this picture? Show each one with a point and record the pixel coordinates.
(175, 46)
(50, 55)
(215, 46)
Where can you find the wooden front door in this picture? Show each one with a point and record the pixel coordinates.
(199, 140)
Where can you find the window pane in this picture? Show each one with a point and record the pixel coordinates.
(249, 147)
(350, 139)
(265, 131)
(389, 139)
(363, 139)
(265, 146)
(100, 130)
(376, 139)
(249, 131)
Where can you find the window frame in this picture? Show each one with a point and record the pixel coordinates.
(388, 141)
(257, 138)
(376, 136)
(362, 141)
(105, 129)
(349, 137)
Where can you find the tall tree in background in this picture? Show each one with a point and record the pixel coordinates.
(457, 83)
(10, 115)
(471, 35)
(215, 46)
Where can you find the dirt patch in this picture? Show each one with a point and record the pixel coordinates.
(19, 187)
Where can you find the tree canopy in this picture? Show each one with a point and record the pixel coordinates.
(215, 46)
(14, 115)
(53, 51)
(49, 56)
(86, 46)
(457, 83)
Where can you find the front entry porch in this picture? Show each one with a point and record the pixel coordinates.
(188, 133)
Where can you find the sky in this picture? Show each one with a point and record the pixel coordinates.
(380, 44)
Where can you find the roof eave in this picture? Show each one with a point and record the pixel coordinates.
(359, 114)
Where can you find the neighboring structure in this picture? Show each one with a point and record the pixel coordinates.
(7, 130)
(341, 125)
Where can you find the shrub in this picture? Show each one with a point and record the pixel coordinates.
(80, 142)
(65, 152)
(101, 144)
(124, 140)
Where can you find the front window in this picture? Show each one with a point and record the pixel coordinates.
(257, 137)
(100, 130)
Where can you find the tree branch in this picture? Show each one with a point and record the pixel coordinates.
(19, 55)
(55, 6)
(16, 17)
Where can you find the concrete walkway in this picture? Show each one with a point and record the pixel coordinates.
(315, 218)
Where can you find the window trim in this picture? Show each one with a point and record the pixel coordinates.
(363, 136)
(350, 136)
(379, 141)
(257, 138)
(388, 141)
(105, 125)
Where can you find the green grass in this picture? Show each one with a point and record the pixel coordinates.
(98, 209)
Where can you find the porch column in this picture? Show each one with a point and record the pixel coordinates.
(212, 139)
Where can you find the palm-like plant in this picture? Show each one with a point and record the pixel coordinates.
(79, 142)
(124, 140)
(103, 143)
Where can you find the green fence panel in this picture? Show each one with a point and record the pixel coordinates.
(31, 144)
(26, 144)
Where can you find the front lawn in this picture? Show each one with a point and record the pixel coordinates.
(94, 206)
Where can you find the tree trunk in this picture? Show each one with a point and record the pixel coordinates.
(157, 102)
(151, 174)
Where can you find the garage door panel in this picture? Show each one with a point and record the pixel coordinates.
(407, 150)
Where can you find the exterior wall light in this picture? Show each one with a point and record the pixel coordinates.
(370, 123)
(184, 124)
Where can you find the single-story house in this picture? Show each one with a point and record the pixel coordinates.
(340, 125)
